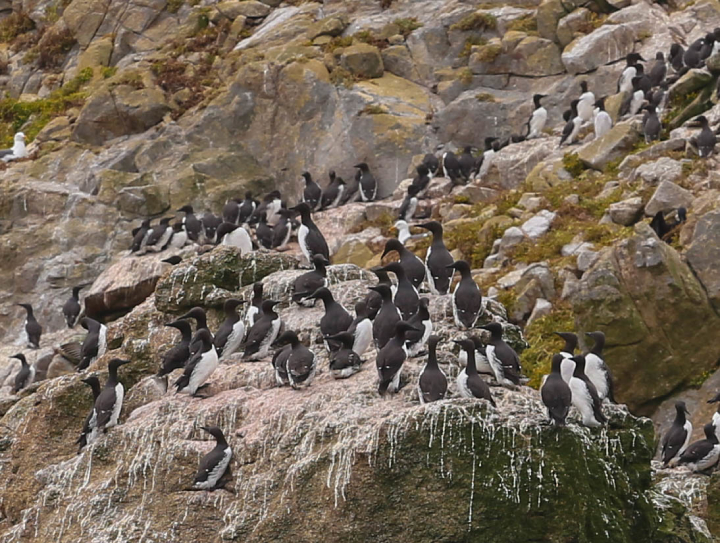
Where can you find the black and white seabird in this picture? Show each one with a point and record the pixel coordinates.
(481, 361)
(203, 362)
(361, 329)
(703, 454)
(503, 359)
(386, 319)
(310, 239)
(677, 438)
(71, 309)
(431, 162)
(676, 57)
(254, 310)
(573, 123)
(270, 206)
(300, 364)
(282, 229)
(571, 343)
(344, 362)
(659, 70)
(32, 327)
(413, 266)
(231, 332)
(232, 235)
(409, 204)
(597, 370)
(692, 56)
(373, 300)
(178, 355)
(159, 236)
(200, 318)
(708, 46)
(536, 122)
(191, 223)
(307, 283)
(247, 208)
(467, 163)
(451, 168)
(94, 383)
(25, 376)
(469, 383)
(630, 71)
(437, 260)
(432, 384)
(416, 341)
(95, 343)
(406, 297)
(602, 122)
(368, 184)
(634, 102)
(263, 333)
(312, 193)
(231, 210)
(279, 364)
(421, 181)
(555, 392)
(179, 237)
(466, 299)
(336, 318)
(716, 415)
(391, 357)
(706, 140)
(584, 395)
(651, 124)
(644, 83)
(18, 150)
(140, 235)
(332, 196)
(214, 464)
(210, 223)
(586, 103)
(263, 232)
(109, 403)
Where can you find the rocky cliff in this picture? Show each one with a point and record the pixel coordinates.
(133, 109)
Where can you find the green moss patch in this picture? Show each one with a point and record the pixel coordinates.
(407, 25)
(475, 21)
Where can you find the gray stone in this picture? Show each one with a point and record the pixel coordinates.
(612, 146)
(627, 212)
(704, 254)
(576, 247)
(541, 309)
(572, 24)
(663, 169)
(362, 60)
(668, 196)
(538, 225)
(606, 44)
(530, 201)
(510, 238)
(586, 258)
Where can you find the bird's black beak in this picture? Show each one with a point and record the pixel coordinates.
(686, 411)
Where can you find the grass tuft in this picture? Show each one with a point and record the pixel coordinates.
(478, 20)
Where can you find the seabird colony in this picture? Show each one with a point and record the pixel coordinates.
(393, 317)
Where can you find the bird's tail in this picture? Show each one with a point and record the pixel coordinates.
(182, 382)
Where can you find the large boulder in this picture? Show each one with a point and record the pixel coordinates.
(667, 197)
(703, 255)
(362, 60)
(124, 284)
(603, 46)
(614, 145)
(119, 111)
(656, 316)
(211, 278)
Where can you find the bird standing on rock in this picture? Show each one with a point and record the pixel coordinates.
(703, 454)
(432, 384)
(386, 319)
(311, 240)
(344, 362)
(231, 332)
(555, 391)
(312, 193)
(203, 362)
(406, 297)
(536, 122)
(263, 333)
(332, 196)
(94, 383)
(95, 343)
(413, 266)
(109, 403)
(597, 370)
(677, 438)
(25, 375)
(300, 363)
(32, 327)
(584, 395)
(469, 383)
(307, 283)
(437, 260)
(467, 299)
(176, 357)
(71, 309)
(503, 359)
(214, 464)
(336, 318)
(603, 122)
(586, 103)
(191, 223)
(368, 184)
(390, 359)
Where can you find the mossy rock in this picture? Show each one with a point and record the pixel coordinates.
(192, 284)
